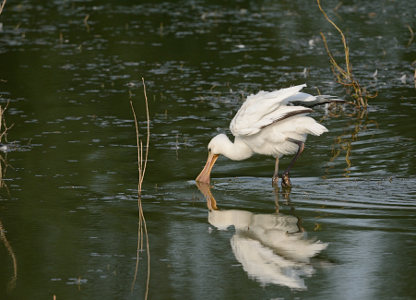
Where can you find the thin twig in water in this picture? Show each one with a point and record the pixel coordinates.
(412, 36)
(3, 133)
(86, 22)
(2, 6)
(344, 41)
(344, 76)
(141, 165)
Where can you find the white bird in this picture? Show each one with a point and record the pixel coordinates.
(269, 123)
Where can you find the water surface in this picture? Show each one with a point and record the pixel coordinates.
(68, 205)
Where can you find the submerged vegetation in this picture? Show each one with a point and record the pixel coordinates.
(142, 157)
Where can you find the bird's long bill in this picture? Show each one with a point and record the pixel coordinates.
(204, 176)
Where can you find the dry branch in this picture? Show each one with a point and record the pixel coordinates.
(345, 76)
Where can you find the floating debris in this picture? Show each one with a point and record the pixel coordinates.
(403, 79)
(4, 147)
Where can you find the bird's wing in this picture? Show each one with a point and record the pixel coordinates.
(280, 114)
(266, 108)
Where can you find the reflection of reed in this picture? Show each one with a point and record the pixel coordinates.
(272, 248)
(3, 126)
(3, 168)
(343, 142)
(12, 282)
(345, 76)
(141, 165)
(3, 134)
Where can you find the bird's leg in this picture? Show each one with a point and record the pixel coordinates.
(276, 199)
(285, 176)
(275, 179)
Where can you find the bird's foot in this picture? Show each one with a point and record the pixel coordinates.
(286, 181)
(275, 181)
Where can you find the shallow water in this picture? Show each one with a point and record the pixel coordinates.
(68, 206)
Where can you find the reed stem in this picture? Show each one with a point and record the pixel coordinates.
(142, 158)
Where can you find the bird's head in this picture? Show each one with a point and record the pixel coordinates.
(215, 148)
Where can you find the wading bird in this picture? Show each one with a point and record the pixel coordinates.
(269, 123)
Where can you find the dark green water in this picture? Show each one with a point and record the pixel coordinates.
(68, 206)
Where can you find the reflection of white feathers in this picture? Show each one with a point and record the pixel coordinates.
(271, 247)
(267, 267)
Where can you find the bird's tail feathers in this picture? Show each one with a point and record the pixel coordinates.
(323, 99)
(312, 101)
(316, 129)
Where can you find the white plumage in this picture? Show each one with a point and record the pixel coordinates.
(272, 248)
(269, 123)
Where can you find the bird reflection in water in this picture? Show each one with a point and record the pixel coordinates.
(272, 248)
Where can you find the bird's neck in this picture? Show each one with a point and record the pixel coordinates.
(237, 150)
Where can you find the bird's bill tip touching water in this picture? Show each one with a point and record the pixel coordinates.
(204, 176)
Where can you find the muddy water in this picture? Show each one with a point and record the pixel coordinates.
(68, 206)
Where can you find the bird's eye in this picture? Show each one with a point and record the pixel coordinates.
(209, 149)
